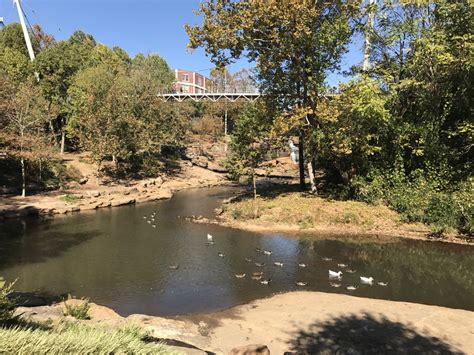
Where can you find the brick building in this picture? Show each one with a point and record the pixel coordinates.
(190, 82)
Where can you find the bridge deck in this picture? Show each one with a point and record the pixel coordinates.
(212, 96)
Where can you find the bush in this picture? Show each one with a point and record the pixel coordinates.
(208, 125)
(76, 338)
(419, 199)
(69, 198)
(77, 310)
(7, 306)
(236, 213)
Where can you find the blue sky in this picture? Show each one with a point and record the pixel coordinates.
(147, 26)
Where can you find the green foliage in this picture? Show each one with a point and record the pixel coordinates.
(250, 141)
(77, 310)
(76, 338)
(7, 306)
(69, 198)
(208, 125)
(418, 199)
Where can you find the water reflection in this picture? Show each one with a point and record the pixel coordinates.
(117, 259)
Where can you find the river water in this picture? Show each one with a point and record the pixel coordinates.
(118, 259)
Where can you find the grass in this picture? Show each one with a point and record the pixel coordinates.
(306, 211)
(78, 309)
(7, 306)
(69, 198)
(77, 338)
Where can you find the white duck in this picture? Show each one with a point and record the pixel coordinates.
(335, 275)
(209, 237)
(367, 280)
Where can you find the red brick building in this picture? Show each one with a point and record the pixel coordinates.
(190, 82)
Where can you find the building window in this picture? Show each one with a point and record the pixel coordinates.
(186, 77)
(199, 81)
(184, 88)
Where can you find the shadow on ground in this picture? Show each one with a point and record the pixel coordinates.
(354, 334)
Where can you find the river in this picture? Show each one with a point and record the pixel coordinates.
(118, 259)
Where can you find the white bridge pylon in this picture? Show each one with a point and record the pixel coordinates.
(211, 96)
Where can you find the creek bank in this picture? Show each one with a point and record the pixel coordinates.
(301, 322)
(84, 197)
(297, 213)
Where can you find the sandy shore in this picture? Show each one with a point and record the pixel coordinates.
(304, 323)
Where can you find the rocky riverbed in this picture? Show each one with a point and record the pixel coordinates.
(88, 197)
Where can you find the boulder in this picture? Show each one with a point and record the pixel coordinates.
(83, 180)
(200, 161)
(255, 349)
(122, 202)
(216, 168)
(23, 211)
(158, 181)
(94, 193)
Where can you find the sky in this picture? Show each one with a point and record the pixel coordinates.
(146, 26)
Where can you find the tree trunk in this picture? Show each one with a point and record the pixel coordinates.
(301, 161)
(98, 172)
(255, 206)
(40, 175)
(51, 128)
(63, 140)
(368, 34)
(23, 177)
(312, 179)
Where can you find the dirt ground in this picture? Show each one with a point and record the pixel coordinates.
(304, 323)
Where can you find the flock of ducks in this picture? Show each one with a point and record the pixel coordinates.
(151, 220)
(334, 276)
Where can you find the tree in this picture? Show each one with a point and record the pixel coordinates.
(26, 116)
(354, 131)
(57, 66)
(98, 111)
(160, 123)
(294, 45)
(251, 141)
(422, 56)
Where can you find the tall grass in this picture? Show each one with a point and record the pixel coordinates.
(7, 306)
(77, 310)
(76, 338)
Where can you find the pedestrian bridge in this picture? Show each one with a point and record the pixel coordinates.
(211, 96)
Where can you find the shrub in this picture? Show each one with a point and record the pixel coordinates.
(208, 125)
(7, 306)
(76, 338)
(236, 213)
(419, 199)
(69, 198)
(77, 310)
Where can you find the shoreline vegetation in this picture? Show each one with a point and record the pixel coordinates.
(286, 210)
(279, 207)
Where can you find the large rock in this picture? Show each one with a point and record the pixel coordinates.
(93, 193)
(122, 202)
(201, 162)
(216, 168)
(256, 349)
(23, 211)
(164, 329)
